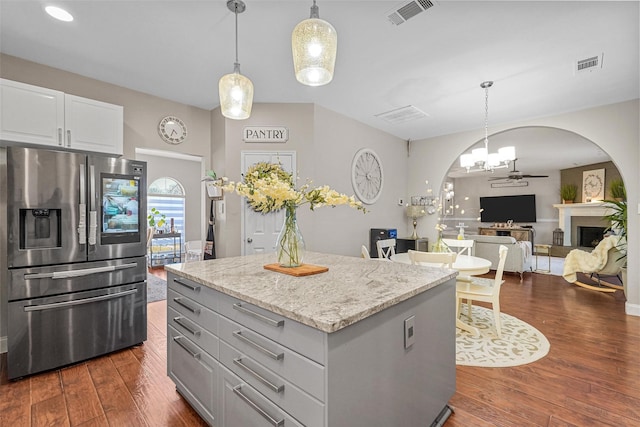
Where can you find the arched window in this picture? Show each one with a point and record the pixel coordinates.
(168, 196)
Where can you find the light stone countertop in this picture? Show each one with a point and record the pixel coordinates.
(353, 288)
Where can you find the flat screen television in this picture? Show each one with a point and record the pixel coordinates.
(521, 208)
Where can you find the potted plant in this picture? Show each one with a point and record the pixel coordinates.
(617, 190)
(568, 193)
(618, 224)
(156, 219)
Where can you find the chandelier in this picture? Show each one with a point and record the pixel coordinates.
(314, 43)
(480, 159)
(235, 90)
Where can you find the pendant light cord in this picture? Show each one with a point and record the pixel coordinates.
(236, 64)
(486, 118)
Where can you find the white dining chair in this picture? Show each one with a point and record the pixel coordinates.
(462, 247)
(442, 259)
(365, 252)
(386, 248)
(193, 250)
(483, 289)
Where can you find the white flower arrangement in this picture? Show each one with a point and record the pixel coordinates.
(268, 188)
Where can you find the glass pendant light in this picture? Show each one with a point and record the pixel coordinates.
(236, 90)
(314, 43)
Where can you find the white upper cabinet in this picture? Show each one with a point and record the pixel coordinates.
(93, 125)
(31, 114)
(34, 115)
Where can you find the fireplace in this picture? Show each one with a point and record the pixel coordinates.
(589, 237)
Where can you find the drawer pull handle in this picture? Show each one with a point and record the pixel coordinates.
(271, 420)
(187, 306)
(181, 322)
(188, 286)
(265, 319)
(271, 354)
(193, 354)
(263, 380)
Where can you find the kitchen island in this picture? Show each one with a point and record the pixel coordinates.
(367, 343)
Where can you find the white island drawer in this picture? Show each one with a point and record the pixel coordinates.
(198, 313)
(242, 406)
(303, 407)
(195, 374)
(290, 365)
(308, 341)
(194, 290)
(194, 332)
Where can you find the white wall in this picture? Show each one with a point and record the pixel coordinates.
(614, 128)
(325, 143)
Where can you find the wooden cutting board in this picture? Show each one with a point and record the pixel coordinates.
(303, 270)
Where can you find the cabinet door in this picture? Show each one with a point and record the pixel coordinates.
(31, 114)
(93, 125)
(195, 374)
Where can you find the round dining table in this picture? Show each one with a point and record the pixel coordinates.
(467, 265)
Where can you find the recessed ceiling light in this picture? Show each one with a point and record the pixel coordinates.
(59, 13)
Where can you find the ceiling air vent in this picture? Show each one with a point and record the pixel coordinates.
(592, 63)
(408, 10)
(402, 115)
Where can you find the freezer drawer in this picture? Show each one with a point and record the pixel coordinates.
(50, 332)
(37, 282)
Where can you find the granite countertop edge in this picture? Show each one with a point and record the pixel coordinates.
(318, 321)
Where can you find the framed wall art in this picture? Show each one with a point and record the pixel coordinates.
(592, 185)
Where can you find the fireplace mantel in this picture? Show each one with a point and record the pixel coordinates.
(569, 210)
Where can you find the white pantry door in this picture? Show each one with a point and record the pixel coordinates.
(260, 231)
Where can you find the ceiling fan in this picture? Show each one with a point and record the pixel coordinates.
(517, 175)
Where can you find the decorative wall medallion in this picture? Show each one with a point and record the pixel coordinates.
(367, 177)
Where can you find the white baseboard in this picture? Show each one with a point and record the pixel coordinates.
(632, 309)
(3, 345)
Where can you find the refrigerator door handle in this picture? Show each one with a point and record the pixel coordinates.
(78, 273)
(78, 301)
(93, 217)
(82, 208)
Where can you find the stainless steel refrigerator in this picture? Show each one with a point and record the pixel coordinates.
(75, 267)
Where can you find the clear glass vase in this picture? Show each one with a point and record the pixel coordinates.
(290, 244)
(440, 246)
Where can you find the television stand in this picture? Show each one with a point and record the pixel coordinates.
(518, 233)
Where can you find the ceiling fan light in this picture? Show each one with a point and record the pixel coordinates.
(236, 96)
(507, 154)
(314, 45)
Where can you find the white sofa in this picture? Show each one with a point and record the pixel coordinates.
(519, 257)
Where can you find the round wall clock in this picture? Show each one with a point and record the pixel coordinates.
(172, 130)
(366, 176)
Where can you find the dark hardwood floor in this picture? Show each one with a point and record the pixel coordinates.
(591, 376)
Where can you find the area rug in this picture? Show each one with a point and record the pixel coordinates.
(156, 288)
(520, 343)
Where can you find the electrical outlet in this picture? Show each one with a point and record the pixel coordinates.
(409, 331)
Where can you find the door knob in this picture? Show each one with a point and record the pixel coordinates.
(249, 240)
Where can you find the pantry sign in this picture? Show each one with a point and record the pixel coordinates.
(265, 134)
